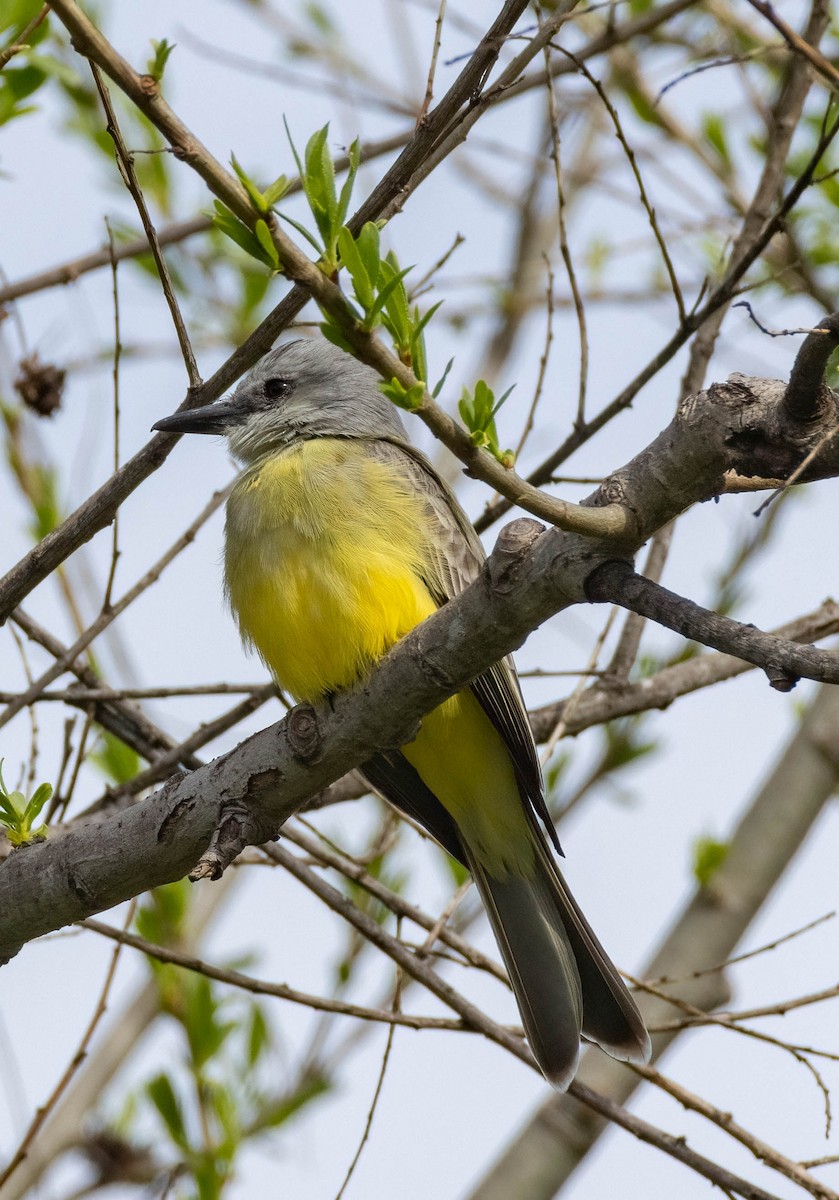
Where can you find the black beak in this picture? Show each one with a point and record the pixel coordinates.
(212, 418)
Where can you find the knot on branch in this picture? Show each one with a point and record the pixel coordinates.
(779, 677)
(513, 542)
(807, 394)
(303, 733)
(611, 491)
(236, 828)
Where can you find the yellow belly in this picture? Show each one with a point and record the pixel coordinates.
(323, 560)
(324, 556)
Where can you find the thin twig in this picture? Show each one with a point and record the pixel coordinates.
(574, 699)
(633, 163)
(723, 1120)
(20, 42)
(262, 987)
(109, 587)
(564, 248)
(424, 107)
(747, 954)
(106, 617)
(75, 1062)
(129, 175)
(380, 1081)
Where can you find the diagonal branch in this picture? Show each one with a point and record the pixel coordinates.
(784, 662)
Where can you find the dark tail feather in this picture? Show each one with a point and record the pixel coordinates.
(541, 965)
(563, 981)
(610, 1015)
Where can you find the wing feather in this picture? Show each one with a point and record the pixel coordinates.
(455, 559)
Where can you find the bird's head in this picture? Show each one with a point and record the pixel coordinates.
(302, 390)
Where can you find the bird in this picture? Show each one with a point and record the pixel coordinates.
(341, 537)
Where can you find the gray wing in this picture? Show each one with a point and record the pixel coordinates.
(455, 561)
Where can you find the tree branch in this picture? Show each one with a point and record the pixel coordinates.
(783, 662)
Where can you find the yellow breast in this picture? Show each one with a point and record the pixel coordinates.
(323, 558)
(325, 551)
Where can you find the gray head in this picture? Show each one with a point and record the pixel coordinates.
(302, 390)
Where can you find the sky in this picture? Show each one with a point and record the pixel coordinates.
(449, 1102)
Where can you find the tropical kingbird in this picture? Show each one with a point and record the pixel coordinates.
(340, 538)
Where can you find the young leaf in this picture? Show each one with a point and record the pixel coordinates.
(319, 185)
(265, 240)
(18, 815)
(163, 1097)
(256, 197)
(408, 398)
(232, 227)
(352, 260)
(440, 384)
(708, 857)
(334, 335)
(354, 157)
(367, 243)
(157, 64)
(276, 190)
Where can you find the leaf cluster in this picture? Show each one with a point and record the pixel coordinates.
(18, 815)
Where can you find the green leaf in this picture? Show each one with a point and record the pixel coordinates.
(17, 14)
(394, 297)
(300, 170)
(368, 245)
(161, 916)
(115, 759)
(440, 384)
(418, 357)
(16, 84)
(334, 335)
(163, 1096)
(265, 240)
(205, 1032)
(319, 185)
(157, 64)
(714, 131)
(258, 1034)
(277, 1112)
(478, 410)
(301, 229)
(276, 190)
(352, 260)
(255, 195)
(408, 398)
(708, 856)
(393, 281)
(18, 815)
(232, 227)
(458, 872)
(354, 157)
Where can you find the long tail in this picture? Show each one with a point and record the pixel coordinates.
(563, 981)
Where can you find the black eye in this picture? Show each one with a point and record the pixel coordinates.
(275, 388)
